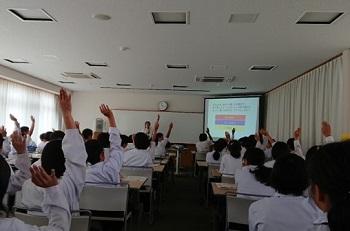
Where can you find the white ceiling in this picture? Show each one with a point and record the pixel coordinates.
(209, 39)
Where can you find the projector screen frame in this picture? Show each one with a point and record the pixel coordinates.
(261, 97)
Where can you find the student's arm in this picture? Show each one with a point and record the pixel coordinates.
(6, 145)
(222, 165)
(327, 132)
(14, 119)
(112, 166)
(253, 219)
(22, 163)
(152, 149)
(77, 125)
(208, 132)
(74, 151)
(32, 125)
(297, 146)
(171, 125)
(233, 133)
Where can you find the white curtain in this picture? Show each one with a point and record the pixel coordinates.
(22, 102)
(307, 101)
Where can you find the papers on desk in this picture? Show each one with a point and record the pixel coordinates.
(225, 186)
(134, 178)
(155, 165)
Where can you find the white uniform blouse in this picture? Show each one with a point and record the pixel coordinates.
(204, 146)
(160, 148)
(139, 157)
(229, 165)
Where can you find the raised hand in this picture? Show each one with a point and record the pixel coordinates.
(65, 101)
(326, 129)
(171, 125)
(32, 119)
(18, 142)
(3, 131)
(77, 124)
(109, 114)
(13, 118)
(158, 117)
(207, 131)
(297, 134)
(41, 178)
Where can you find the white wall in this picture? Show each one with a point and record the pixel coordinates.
(85, 104)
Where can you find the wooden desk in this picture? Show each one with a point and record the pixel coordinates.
(158, 168)
(221, 189)
(202, 164)
(215, 173)
(164, 162)
(134, 182)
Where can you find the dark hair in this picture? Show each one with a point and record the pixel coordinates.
(256, 156)
(329, 170)
(158, 136)
(252, 141)
(24, 129)
(219, 145)
(279, 149)
(43, 136)
(148, 122)
(289, 175)
(141, 141)
(310, 153)
(48, 135)
(87, 133)
(57, 135)
(235, 149)
(103, 139)
(5, 173)
(93, 149)
(52, 157)
(125, 140)
(203, 137)
(290, 143)
(1, 141)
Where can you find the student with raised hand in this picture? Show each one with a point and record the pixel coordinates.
(6, 144)
(287, 209)
(204, 144)
(161, 142)
(326, 130)
(253, 180)
(87, 134)
(279, 149)
(214, 157)
(25, 131)
(294, 144)
(231, 162)
(106, 170)
(329, 173)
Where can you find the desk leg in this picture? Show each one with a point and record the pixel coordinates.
(177, 162)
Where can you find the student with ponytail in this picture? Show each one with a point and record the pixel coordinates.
(233, 161)
(214, 157)
(329, 173)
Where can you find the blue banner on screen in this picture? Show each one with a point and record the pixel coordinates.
(226, 113)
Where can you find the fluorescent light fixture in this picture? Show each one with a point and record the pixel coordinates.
(319, 17)
(39, 15)
(102, 17)
(179, 86)
(17, 61)
(239, 88)
(123, 84)
(177, 66)
(95, 64)
(243, 18)
(262, 67)
(170, 17)
(66, 82)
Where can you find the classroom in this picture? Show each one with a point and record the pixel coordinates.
(175, 115)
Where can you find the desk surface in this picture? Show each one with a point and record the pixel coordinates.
(158, 168)
(202, 164)
(215, 173)
(221, 189)
(134, 182)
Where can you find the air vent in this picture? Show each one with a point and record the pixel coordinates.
(78, 75)
(38, 15)
(180, 86)
(243, 18)
(214, 79)
(156, 89)
(319, 17)
(17, 61)
(95, 64)
(262, 67)
(66, 82)
(239, 88)
(171, 17)
(177, 66)
(123, 84)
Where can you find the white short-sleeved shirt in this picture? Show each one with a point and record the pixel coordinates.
(139, 157)
(204, 146)
(229, 165)
(247, 184)
(287, 213)
(160, 148)
(210, 159)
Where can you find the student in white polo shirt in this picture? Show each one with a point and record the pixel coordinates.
(233, 161)
(162, 141)
(204, 143)
(215, 156)
(279, 149)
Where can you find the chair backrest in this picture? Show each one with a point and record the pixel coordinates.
(138, 171)
(211, 167)
(79, 222)
(237, 209)
(105, 198)
(200, 156)
(228, 179)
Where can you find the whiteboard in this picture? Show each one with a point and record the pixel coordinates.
(187, 126)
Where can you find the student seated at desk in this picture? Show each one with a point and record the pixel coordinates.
(287, 209)
(162, 142)
(143, 153)
(68, 159)
(58, 196)
(254, 178)
(279, 149)
(233, 161)
(215, 156)
(294, 144)
(104, 170)
(87, 134)
(204, 144)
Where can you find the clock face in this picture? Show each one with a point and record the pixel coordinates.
(163, 105)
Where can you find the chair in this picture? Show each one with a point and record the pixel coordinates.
(79, 222)
(226, 178)
(106, 202)
(211, 167)
(237, 211)
(148, 186)
(199, 156)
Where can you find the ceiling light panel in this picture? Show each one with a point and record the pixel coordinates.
(319, 17)
(32, 15)
(96, 64)
(17, 61)
(243, 18)
(262, 67)
(177, 66)
(170, 17)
